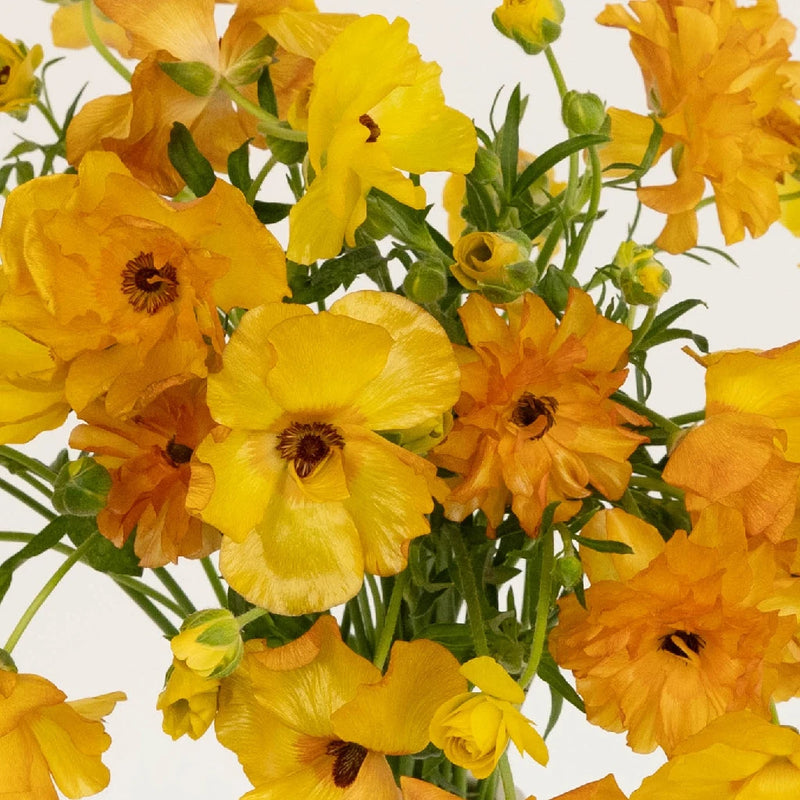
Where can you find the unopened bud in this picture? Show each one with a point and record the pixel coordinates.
(569, 571)
(81, 488)
(209, 643)
(532, 24)
(583, 112)
(641, 278)
(426, 282)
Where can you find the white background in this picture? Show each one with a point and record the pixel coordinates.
(89, 638)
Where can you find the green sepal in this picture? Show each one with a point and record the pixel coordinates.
(250, 65)
(103, 555)
(190, 163)
(554, 288)
(196, 77)
(603, 545)
(239, 167)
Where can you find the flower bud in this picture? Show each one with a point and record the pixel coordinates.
(426, 282)
(495, 264)
(641, 278)
(473, 729)
(583, 112)
(209, 643)
(18, 85)
(81, 488)
(532, 24)
(569, 571)
(188, 702)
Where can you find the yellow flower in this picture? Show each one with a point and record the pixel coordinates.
(376, 108)
(124, 285)
(308, 495)
(313, 719)
(18, 85)
(721, 83)
(44, 739)
(532, 24)
(736, 757)
(642, 279)
(535, 423)
(474, 728)
(604, 789)
(209, 643)
(188, 702)
(68, 29)
(31, 388)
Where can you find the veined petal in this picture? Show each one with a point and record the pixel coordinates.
(306, 32)
(492, 679)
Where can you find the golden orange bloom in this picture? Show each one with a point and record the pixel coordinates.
(313, 719)
(736, 757)
(535, 423)
(148, 457)
(721, 82)
(680, 643)
(604, 789)
(45, 739)
(307, 493)
(124, 285)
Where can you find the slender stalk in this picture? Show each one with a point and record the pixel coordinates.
(27, 463)
(377, 602)
(390, 624)
(642, 330)
(470, 590)
(460, 780)
(662, 422)
(9, 488)
(24, 538)
(655, 485)
(357, 621)
(166, 627)
(366, 614)
(48, 115)
(97, 42)
(542, 610)
(128, 583)
(40, 487)
(690, 417)
(488, 788)
(216, 583)
(259, 179)
(173, 587)
(504, 768)
(45, 592)
(270, 124)
(249, 616)
(571, 261)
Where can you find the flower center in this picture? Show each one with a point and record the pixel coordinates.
(147, 287)
(372, 126)
(306, 444)
(348, 758)
(536, 413)
(679, 643)
(178, 453)
(5, 74)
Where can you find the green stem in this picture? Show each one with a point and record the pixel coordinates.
(690, 417)
(173, 587)
(390, 623)
(27, 463)
(249, 616)
(654, 485)
(45, 592)
(629, 504)
(366, 614)
(127, 582)
(571, 261)
(504, 768)
(488, 788)
(270, 124)
(642, 330)
(377, 602)
(259, 179)
(166, 627)
(216, 583)
(9, 488)
(785, 198)
(542, 609)
(357, 620)
(558, 75)
(24, 538)
(460, 780)
(48, 115)
(40, 487)
(470, 590)
(97, 42)
(667, 425)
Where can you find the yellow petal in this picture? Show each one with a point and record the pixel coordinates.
(485, 673)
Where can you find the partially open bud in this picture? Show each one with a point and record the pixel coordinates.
(188, 702)
(81, 488)
(18, 85)
(209, 643)
(426, 281)
(495, 264)
(642, 279)
(532, 24)
(583, 112)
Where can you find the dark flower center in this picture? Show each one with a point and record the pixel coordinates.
(348, 758)
(5, 74)
(372, 126)
(149, 288)
(178, 453)
(678, 642)
(537, 413)
(306, 444)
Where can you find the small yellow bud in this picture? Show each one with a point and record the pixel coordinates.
(209, 643)
(532, 24)
(18, 85)
(188, 702)
(641, 278)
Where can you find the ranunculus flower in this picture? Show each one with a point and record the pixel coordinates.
(44, 738)
(19, 87)
(532, 24)
(188, 702)
(209, 643)
(474, 728)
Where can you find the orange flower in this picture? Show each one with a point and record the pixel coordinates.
(720, 81)
(68, 29)
(148, 458)
(535, 423)
(123, 285)
(680, 643)
(604, 789)
(313, 719)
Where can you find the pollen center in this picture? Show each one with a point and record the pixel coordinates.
(348, 758)
(306, 444)
(148, 287)
(537, 414)
(178, 453)
(680, 643)
(5, 74)
(372, 126)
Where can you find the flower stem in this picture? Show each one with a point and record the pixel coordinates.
(259, 179)
(642, 330)
(97, 42)
(542, 609)
(28, 464)
(45, 591)
(216, 583)
(51, 120)
(166, 627)
(250, 615)
(389, 625)
(269, 123)
(126, 582)
(173, 587)
(9, 488)
(470, 590)
(667, 425)
(504, 768)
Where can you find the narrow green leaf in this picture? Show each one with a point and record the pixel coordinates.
(556, 704)
(103, 555)
(24, 171)
(509, 143)
(190, 163)
(603, 545)
(669, 315)
(549, 672)
(239, 167)
(5, 173)
(266, 93)
(22, 148)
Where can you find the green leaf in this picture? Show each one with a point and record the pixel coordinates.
(549, 672)
(5, 173)
(190, 163)
(24, 172)
(268, 213)
(314, 286)
(266, 93)
(22, 148)
(239, 167)
(603, 545)
(103, 555)
(455, 636)
(556, 704)
(670, 335)
(509, 143)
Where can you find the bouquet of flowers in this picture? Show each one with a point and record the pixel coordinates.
(415, 450)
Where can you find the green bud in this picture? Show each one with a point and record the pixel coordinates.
(194, 76)
(209, 643)
(569, 571)
(487, 166)
(642, 279)
(81, 487)
(426, 282)
(583, 112)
